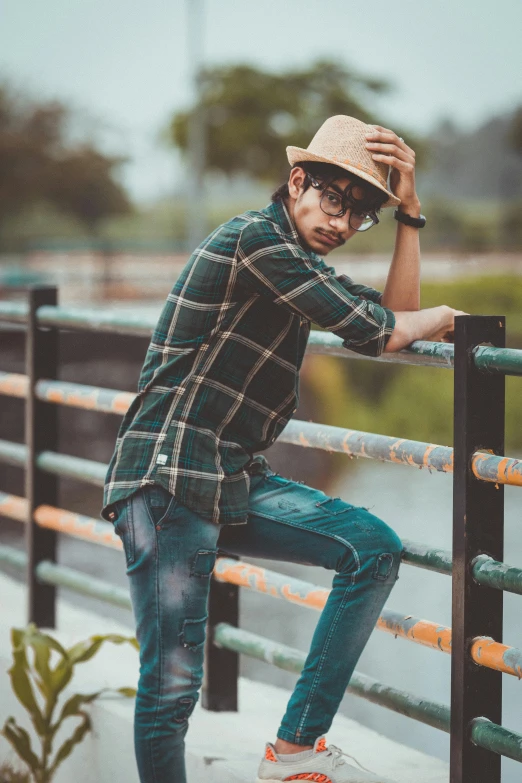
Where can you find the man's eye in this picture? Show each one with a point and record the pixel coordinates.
(333, 198)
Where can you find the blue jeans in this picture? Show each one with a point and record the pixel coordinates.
(170, 553)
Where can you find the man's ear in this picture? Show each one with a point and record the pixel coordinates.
(296, 181)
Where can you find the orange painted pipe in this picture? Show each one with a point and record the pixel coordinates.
(486, 652)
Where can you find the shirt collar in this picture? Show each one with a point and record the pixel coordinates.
(278, 213)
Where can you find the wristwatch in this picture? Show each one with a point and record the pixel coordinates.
(408, 220)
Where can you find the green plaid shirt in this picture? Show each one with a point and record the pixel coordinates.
(221, 375)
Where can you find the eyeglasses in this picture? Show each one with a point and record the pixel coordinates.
(336, 205)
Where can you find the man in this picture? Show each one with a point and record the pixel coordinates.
(219, 383)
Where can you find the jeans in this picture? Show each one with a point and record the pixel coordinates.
(170, 553)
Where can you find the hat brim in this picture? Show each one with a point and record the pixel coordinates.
(297, 154)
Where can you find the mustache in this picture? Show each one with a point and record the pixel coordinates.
(333, 235)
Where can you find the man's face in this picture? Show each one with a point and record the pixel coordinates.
(317, 231)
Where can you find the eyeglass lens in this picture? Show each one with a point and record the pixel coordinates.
(332, 204)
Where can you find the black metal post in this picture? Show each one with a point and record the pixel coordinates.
(41, 433)
(219, 692)
(478, 528)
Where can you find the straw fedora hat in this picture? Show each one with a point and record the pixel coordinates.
(340, 141)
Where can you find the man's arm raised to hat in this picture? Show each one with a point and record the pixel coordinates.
(402, 289)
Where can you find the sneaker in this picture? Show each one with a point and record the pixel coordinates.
(322, 765)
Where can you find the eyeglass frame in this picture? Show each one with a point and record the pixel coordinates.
(318, 185)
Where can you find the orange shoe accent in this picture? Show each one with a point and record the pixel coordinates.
(270, 755)
(321, 745)
(317, 777)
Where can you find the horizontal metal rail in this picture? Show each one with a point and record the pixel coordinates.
(484, 733)
(62, 576)
(355, 443)
(429, 558)
(95, 531)
(417, 454)
(64, 465)
(484, 651)
(76, 395)
(141, 324)
(487, 572)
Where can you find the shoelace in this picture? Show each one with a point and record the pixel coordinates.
(336, 754)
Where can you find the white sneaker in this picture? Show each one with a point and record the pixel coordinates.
(322, 765)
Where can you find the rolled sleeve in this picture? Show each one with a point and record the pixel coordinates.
(273, 265)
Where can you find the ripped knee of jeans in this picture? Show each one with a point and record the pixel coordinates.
(193, 633)
(384, 565)
(183, 708)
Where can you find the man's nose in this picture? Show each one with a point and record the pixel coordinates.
(340, 223)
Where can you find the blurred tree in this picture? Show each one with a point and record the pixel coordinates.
(37, 163)
(253, 115)
(82, 184)
(515, 131)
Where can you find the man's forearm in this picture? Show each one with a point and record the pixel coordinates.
(419, 325)
(402, 289)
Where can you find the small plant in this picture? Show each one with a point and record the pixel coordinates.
(32, 674)
(10, 775)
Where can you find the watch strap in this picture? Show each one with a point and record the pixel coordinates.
(408, 220)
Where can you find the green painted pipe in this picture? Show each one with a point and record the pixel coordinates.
(496, 738)
(13, 557)
(62, 576)
(485, 733)
(424, 556)
(13, 453)
(73, 467)
(141, 324)
(289, 659)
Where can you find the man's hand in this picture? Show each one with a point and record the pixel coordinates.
(436, 324)
(387, 147)
(445, 333)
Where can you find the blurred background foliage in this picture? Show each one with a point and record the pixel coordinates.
(43, 172)
(470, 183)
(253, 115)
(417, 402)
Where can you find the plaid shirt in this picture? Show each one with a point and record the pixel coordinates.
(221, 376)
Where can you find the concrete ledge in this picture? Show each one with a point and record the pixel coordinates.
(221, 747)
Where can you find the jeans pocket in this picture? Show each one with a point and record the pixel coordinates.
(124, 528)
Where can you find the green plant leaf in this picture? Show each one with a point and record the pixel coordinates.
(68, 746)
(21, 682)
(61, 674)
(72, 707)
(21, 742)
(129, 693)
(83, 651)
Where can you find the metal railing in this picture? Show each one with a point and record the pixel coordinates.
(479, 468)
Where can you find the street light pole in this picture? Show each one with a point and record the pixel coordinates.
(195, 205)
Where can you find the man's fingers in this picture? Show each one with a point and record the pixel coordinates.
(389, 137)
(392, 149)
(397, 163)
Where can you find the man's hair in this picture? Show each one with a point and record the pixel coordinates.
(327, 172)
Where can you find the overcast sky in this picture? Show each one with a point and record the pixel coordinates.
(125, 62)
